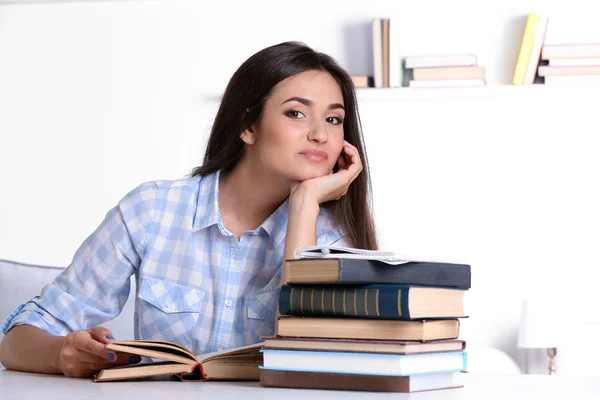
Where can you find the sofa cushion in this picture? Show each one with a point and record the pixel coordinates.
(20, 282)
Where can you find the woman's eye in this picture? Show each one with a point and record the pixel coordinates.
(334, 120)
(295, 114)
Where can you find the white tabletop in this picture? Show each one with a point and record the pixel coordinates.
(19, 385)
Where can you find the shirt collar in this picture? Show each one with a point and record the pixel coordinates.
(207, 209)
(208, 214)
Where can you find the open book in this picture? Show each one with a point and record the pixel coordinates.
(239, 363)
(388, 257)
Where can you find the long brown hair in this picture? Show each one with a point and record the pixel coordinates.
(242, 107)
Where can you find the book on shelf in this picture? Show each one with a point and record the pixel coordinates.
(362, 345)
(360, 328)
(386, 51)
(377, 39)
(379, 383)
(526, 48)
(374, 301)
(395, 59)
(536, 50)
(572, 80)
(377, 270)
(364, 363)
(448, 73)
(448, 83)
(573, 62)
(362, 81)
(575, 70)
(239, 363)
(443, 60)
(585, 50)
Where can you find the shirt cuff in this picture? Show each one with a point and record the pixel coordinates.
(30, 314)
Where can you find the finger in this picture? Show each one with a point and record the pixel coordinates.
(83, 340)
(121, 358)
(101, 334)
(355, 165)
(351, 146)
(341, 161)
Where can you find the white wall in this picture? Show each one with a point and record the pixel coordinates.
(96, 97)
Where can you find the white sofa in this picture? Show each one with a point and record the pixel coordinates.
(20, 282)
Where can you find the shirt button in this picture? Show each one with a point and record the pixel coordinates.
(169, 305)
(228, 303)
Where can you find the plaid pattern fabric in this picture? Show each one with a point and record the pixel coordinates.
(197, 285)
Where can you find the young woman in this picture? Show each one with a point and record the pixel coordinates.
(285, 167)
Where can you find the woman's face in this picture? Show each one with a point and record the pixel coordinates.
(301, 133)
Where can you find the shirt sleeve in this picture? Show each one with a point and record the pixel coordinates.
(95, 286)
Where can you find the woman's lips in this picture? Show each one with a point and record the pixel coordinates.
(315, 155)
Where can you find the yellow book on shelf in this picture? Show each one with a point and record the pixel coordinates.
(526, 47)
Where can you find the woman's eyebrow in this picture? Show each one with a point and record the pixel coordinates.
(309, 103)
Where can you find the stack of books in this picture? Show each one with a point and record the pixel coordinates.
(443, 71)
(360, 320)
(571, 64)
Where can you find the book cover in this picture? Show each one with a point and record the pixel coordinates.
(526, 47)
(363, 346)
(536, 50)
(365, 271)
(449, 73)
(382, 301)
(584, 50)
(364, 363)
(239, 363)
(378, 383)
(359, 328)
(442, 60)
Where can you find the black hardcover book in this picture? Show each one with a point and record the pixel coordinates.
(364, 271)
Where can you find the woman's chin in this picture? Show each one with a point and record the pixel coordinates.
(305, 175)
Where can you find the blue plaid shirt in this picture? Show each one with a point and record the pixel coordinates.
(197, 285)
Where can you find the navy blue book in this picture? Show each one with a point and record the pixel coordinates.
(365, 271)
(378, 301)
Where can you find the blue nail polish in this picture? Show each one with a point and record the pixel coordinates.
(110, 337)
(135, 359)
(111, 356)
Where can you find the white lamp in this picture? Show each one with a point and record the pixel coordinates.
(540, 327)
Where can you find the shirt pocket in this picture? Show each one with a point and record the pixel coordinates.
(170, 311)
(170, 297)
(261, 310)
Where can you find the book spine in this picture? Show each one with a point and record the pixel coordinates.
(526, 47)
(345, 301)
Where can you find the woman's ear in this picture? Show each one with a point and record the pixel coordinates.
(248, 136)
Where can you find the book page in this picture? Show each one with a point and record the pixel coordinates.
(238, 352)
(388, 257)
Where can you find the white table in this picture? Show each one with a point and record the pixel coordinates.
(21, 386)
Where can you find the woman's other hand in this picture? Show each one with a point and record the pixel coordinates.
(335, 185)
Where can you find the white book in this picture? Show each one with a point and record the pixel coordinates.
(536, 49)
(364, 363)
(573, 80)
(448, 60)
(573, 62)
(395, 60)
(323, 251)
(449, 83)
